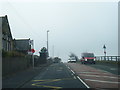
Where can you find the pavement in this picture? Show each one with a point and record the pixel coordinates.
(94, 77)
(20, 78)
(110, 67)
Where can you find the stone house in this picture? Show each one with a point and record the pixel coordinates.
(10, 44)
(7, 41)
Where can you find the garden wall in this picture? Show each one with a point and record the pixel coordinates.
(12, 65)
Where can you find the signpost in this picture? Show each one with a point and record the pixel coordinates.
(32, 50)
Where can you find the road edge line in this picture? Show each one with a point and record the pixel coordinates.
(83, 82)
(72, 71)
(78, 77)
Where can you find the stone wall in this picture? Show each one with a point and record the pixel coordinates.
(12, 65)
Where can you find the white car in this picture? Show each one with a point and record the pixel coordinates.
(71, 60)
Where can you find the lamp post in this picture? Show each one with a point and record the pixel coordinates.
(47, 43)
(104, 47)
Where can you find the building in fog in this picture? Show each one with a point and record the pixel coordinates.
(7, 41)
(22, 45)
(10, 44)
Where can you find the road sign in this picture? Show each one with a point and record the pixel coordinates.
(32, 50)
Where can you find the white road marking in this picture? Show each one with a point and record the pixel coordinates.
(72, 71)
(83, 82)
(72, 74)
(68, 67)
(78, 78)
(101, 81)
(74, 77)
(98, 76)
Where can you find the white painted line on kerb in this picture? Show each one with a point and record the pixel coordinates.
(102, 81)
(83, 82)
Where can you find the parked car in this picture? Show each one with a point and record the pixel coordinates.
(87, 58)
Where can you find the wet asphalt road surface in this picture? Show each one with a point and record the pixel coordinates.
(56, 76)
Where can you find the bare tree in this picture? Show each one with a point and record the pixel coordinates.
(72, 55)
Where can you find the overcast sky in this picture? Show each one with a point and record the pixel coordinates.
(74, 26)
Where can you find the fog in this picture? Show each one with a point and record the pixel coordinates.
(74, 26)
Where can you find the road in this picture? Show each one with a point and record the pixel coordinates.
(55, 76)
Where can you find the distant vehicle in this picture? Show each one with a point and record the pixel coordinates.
(87, 58)
(72, 60)
(56, 60)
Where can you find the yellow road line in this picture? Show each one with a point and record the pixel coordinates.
(47, 81)
(39, 82)
(49, 86)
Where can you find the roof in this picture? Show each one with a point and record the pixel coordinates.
(87, 54)
(5, 26)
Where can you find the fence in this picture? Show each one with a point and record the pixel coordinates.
(108, 58)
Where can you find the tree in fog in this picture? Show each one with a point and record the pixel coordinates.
(72, 55)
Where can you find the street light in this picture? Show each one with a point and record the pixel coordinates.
(47, 42)
(104, 47)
